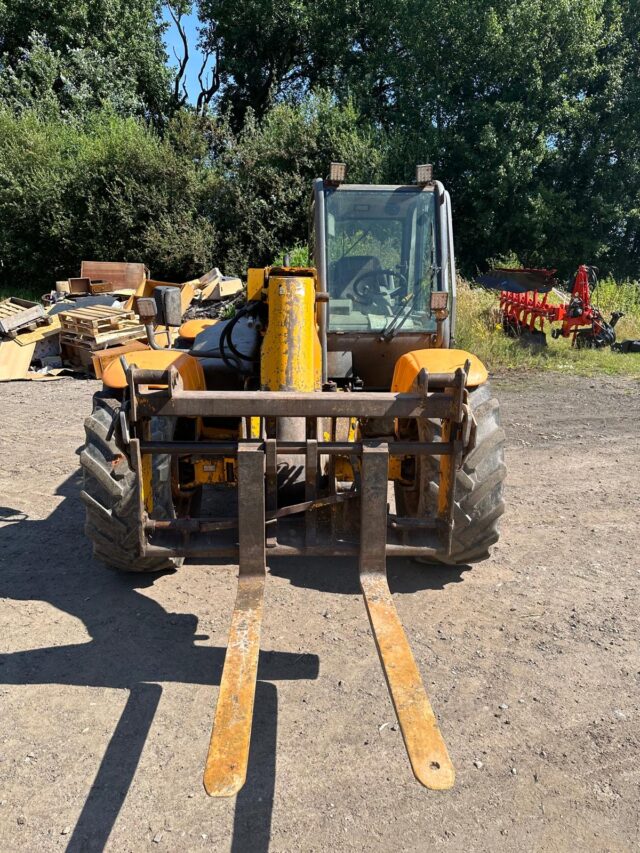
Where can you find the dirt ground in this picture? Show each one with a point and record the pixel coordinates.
(108, 682)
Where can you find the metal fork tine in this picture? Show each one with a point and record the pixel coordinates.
(226, 767)
(424, 743)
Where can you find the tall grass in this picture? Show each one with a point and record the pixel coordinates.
(479, 331)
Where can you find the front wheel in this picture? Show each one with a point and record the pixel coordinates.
(479, 501)
(110, 492)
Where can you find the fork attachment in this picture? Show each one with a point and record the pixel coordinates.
(325, 523)
(228, 756)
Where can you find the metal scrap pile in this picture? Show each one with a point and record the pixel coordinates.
(88, 321)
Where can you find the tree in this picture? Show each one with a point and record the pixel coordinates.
(596, 167)
(80, 56)
(272, 50)
(520, 106)
(485, 91)
(265, 173)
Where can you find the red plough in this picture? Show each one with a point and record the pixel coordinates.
(525, 308)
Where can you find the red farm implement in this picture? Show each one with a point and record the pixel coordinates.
(525, 306)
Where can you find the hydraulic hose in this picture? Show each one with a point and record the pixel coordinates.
(235, 360)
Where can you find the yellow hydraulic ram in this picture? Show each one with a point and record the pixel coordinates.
(290, 355)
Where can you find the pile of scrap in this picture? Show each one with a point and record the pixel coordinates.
(215, 294)
(28, 334)
(120, 280)
(89, 320)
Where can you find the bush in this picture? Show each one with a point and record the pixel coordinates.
(107, 188)
(266, 173)
(111, 188)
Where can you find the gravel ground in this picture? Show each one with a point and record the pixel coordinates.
(108, 682)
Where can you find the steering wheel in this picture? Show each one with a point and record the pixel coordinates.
(365, 289)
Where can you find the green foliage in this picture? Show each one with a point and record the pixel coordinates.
(110, 188)
(266, 172)
(81, 56)
(528, 111)
(270, 50)
(107, 188)
(298, 257)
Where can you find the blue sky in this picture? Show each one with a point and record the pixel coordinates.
(172, 40)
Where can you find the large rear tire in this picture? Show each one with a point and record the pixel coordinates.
(110, 492)
(479, 483)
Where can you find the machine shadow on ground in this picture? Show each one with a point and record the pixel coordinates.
(340, 575)
(136, 645)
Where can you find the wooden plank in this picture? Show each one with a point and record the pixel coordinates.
(8, 309)
(101, 287)
(92, 336)
(120, 273)
(13, 305)
(14, 360)
(26, 338)
(97, 311)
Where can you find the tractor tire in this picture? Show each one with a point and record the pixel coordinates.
(479, 484)
(110, 492)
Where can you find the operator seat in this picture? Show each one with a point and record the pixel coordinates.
(346, 270)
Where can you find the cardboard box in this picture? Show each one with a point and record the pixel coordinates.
(79, 285)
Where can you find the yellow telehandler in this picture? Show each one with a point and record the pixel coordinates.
(277, 431)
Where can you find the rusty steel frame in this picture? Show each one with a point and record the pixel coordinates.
(146, 400)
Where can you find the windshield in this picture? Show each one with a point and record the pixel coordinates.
(381, 258)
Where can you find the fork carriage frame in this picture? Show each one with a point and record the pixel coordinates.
(293, 530)
(256, 534)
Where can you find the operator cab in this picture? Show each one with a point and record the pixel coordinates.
(380, 252)
(381, 257)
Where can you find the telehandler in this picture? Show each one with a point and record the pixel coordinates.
(278, 431)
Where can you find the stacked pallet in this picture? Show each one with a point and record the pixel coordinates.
(86, 330)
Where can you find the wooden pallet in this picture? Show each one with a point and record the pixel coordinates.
(129, 332)
(98, 326)
(94, 320)
(19, 314)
